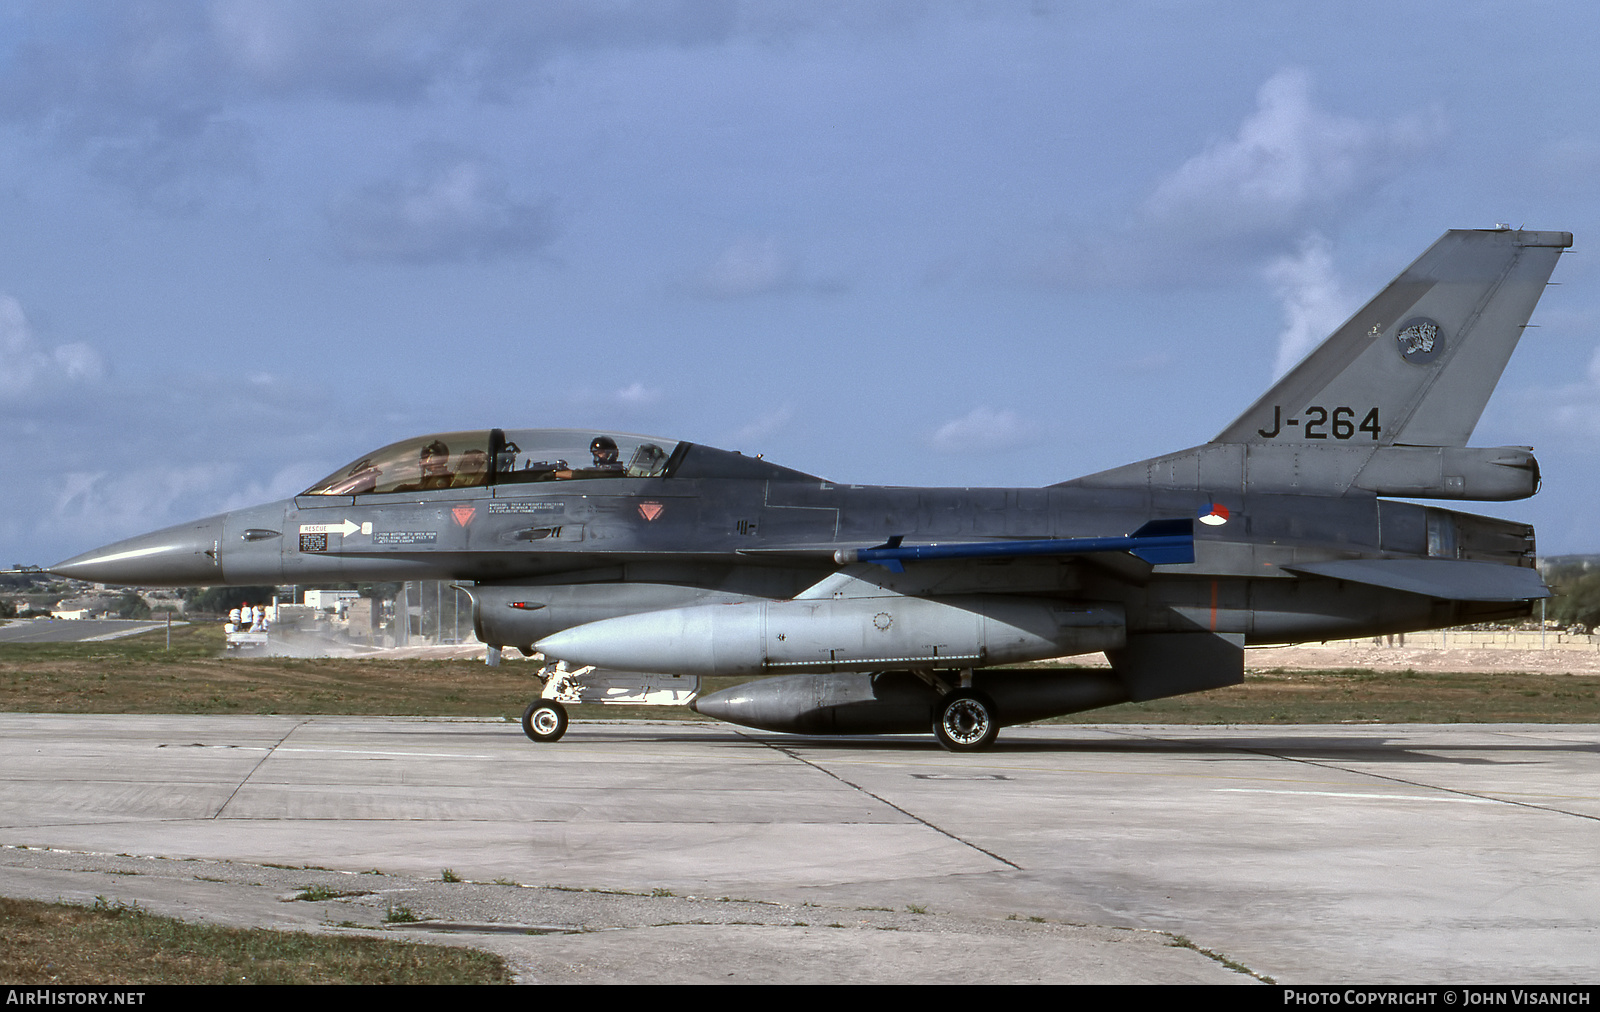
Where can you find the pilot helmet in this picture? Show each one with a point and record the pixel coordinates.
(604, 449)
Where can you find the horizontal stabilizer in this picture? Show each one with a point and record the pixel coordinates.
(1159, 542)
(1446, 579)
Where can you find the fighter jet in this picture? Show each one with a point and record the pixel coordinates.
(864, 609)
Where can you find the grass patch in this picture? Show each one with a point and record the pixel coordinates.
(1180, 942)
(321, 893)
(44, 943)
(136, 675)
(1360, 696)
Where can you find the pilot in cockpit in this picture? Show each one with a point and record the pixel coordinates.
(473, 469)
(434, 464)
(604, 449)
(607, 461)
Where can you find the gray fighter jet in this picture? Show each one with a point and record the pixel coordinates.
(892, 610)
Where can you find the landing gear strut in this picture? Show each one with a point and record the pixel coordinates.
(544, 720)
(965, 721)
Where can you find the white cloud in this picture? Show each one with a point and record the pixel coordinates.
(981, 429)
(291, 478)
(636, 395)
(119, 457)
(402, 51)
(748, 266)
(26, 366)
(75, 510)
(450, 208)
(1558, 417)
(158, 96)
(1290, 165)
(764, 426)
(135, 493)
(755, 266)
(1314, 300)
(1574, 409)
(91, 507)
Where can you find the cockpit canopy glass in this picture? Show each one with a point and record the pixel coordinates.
(499, 457)
(563, 454)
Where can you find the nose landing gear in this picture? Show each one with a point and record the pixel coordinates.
(544, 720)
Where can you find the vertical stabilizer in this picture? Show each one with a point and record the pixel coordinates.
(1386, 404)
(1417, 364)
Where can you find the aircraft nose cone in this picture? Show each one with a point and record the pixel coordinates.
(186, 555)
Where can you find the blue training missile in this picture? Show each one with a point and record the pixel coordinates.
(1159, 542)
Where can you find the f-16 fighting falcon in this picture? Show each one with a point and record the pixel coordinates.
(885, 610)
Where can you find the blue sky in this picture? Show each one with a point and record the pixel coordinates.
(963, 243)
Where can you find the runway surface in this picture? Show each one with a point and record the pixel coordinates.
(1303, 854)
(79, 630)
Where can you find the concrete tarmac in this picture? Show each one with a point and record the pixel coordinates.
(78, 630)
(701, 852)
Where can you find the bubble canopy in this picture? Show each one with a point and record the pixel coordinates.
(501, 457)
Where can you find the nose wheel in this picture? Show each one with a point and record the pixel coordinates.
(544, 720)
(965, 721)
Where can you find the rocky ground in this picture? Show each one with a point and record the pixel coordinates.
(1396, 658)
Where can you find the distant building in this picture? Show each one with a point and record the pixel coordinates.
(329, 600)
(84, 607)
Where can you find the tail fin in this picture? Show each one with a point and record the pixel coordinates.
(1387, 403)
(1416, 365)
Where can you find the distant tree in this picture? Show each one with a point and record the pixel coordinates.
(1577, 597)
(131, 605)
(221, 600)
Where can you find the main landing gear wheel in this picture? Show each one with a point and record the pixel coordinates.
(544, 720)
(965, 721)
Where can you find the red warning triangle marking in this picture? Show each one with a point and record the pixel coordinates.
(463, 514)
(649, 510)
